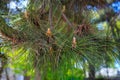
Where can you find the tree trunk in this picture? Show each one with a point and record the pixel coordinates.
(7, 77)
(26, 77)
(37, 74)
(91, 72)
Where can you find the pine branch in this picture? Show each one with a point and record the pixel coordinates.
(9, 33)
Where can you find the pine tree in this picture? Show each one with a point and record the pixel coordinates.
(59, 31)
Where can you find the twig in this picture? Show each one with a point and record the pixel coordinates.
(50, 15)
(66, 19)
